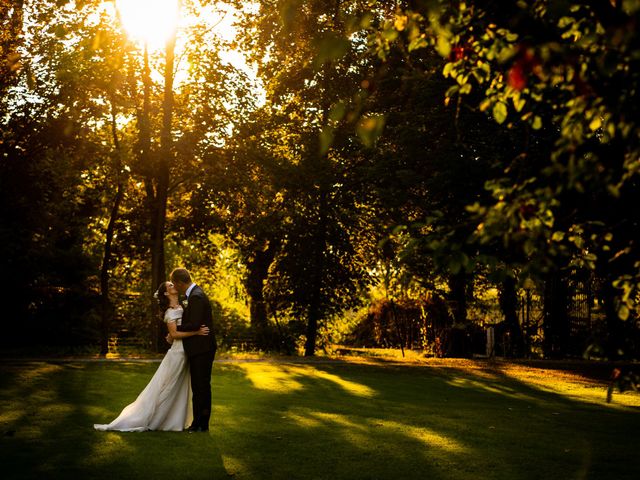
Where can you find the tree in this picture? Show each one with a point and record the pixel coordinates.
(318, 269)
(241, 197)
(565, 74)
(69, 133)
(193, 122)
(46, 177)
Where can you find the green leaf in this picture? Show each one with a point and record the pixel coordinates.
(451, 91)
(370, 128)
(537, 123)
(326, 139)
(443, 46)
(507, 54)
(417, 43)
(331, 47)
(466, 88)
(338, 111)
(623, 312)
(365, 21)
(613, 190)
(500, 112)
(390, 34)
(400, 22)
(518, 103)
(289, 11)
(60, 31)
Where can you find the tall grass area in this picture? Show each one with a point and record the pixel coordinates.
(323, 420)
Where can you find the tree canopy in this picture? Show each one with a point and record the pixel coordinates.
(362, 157)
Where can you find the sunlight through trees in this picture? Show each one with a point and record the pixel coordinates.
(337, 174)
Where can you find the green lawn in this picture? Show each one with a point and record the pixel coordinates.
(324, 420)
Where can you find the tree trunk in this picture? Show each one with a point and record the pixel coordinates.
(158, 267)
(401, 337)
(458, 284)
(314, 311)
(312, 330)
(556, 316)
(613, 341)
(509, 304)
(146, 168)
(105, 301)
(258, 270)
(458, 297)
(144, 140)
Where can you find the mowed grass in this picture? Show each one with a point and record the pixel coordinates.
(323, 420)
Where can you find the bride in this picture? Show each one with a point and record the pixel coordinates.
(165, 403)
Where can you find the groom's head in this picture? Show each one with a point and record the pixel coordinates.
(181, 279)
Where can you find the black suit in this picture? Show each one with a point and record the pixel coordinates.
(200, 351)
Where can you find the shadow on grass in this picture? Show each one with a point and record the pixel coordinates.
(314, 421)
(46, 427)
(375, 421)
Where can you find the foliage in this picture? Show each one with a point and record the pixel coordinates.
(72, 135)
(318, 270)
(382, 151)
(567, 74)
(45, 145)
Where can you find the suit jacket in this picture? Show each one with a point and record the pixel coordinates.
(196, 313)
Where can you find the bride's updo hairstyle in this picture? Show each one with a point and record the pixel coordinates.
(161, 298)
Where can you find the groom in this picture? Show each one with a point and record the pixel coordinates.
(199, 349)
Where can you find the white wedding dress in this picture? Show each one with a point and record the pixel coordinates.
(165, 403)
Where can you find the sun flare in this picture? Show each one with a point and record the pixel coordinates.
(151, 21)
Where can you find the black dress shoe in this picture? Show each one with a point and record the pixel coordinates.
(193, 429)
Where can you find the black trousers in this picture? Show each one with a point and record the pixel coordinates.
(200, 366)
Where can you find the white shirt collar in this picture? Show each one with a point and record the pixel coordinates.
(188, 292)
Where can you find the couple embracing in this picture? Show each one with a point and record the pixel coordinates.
(178, 397)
